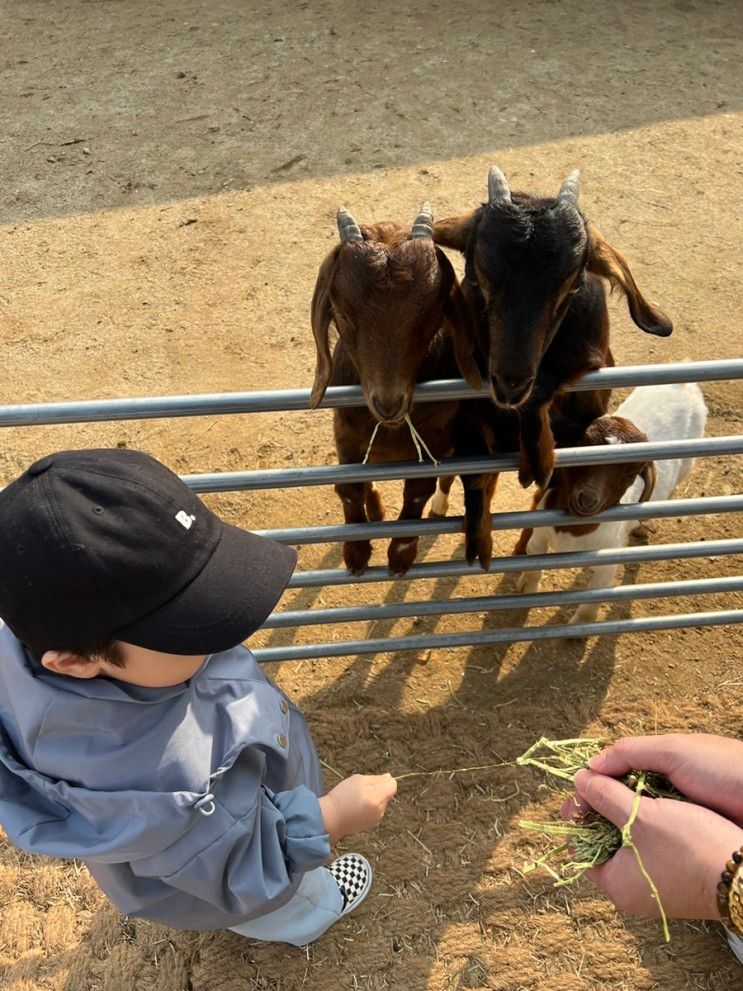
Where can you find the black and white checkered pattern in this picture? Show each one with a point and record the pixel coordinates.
(353, 875)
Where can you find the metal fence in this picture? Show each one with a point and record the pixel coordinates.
(298, 399)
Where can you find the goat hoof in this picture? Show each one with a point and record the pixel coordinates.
(526, 475)
(439, 505)
(543, 479)
(527, 582)
(356, 556)
(536, 471)
(583, 616)
(401, 555)
(542, 473)
(481, 550)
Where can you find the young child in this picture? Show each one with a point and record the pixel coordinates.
(136, 733)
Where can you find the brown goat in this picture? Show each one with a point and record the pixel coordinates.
(586, 490)
(401, 319)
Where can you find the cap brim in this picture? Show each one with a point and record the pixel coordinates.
(228, 600)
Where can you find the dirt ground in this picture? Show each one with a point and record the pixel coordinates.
(170, 177)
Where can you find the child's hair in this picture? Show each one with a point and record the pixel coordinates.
(101, 649)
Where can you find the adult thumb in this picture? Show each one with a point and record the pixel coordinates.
(607, 796)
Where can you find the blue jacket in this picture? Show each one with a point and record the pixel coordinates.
(195, 805)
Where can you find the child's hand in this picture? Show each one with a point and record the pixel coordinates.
(357, 803)
(684, 848)
(706, 769)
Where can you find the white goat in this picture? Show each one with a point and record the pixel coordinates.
(654, 413)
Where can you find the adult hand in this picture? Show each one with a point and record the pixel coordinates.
(705, 768)
(684, 848)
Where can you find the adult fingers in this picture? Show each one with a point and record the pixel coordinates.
(609, 797)
(574, 808)
(636, 753)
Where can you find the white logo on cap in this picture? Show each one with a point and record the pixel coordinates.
(184, 519)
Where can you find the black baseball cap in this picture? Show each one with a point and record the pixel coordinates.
(111, 543)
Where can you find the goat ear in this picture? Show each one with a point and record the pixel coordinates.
(454, 232)
(461, 321)
(321, 315)
(607, 262)
(649, 475)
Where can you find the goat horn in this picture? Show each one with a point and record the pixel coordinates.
(570, 189)
(498, 189)
(348, 229)
(423, 223)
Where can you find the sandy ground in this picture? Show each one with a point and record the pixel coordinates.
(170, 176)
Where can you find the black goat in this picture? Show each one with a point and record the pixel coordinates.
(533, 270)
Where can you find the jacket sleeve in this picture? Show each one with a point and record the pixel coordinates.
(245, 863)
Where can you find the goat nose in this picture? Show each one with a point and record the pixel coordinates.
(585, 502)
(388, 410)
(511, 389)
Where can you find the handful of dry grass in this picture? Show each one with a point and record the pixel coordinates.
(589, 840)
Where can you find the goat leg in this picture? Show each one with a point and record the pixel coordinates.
(356, 553)
(403, 551)
(537, 543)
(440, 501)
(537, 456)
(601, 577)
(478, 531)
(523, 541)
(374, 505)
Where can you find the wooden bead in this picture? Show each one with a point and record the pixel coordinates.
(730, 893)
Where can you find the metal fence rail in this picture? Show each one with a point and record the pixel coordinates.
(491, 603)
(566, 457)
(298, 399)
(479, 638)
(708, 506)
(534, 562)
(279, 401)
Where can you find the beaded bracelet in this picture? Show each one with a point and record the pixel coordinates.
(730, 894)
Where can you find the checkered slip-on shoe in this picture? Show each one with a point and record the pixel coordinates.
(353, 875)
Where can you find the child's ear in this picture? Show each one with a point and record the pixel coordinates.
(73, 665)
